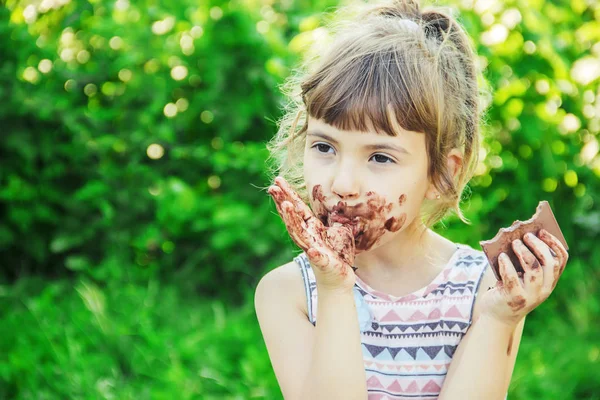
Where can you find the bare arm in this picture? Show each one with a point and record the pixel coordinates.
(336, 369)
(484, 361)
(322, 362)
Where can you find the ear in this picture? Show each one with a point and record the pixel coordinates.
(454, 161)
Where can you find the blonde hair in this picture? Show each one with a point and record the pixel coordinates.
(420, 64)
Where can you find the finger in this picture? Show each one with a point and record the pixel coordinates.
(309, 235)
(313, 226)
(293, 215)
(293, 197)
(304, 233)
(510, 279)
(278, 196)
(304, 211)
(541, 250)
(283, 186)
(562, 256)
(555, 244)
(294, 225)
(526, 258)
(560, 253)
(533, 275)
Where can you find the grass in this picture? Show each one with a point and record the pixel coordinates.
(75, 339)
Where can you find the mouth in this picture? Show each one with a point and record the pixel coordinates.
(353, 223)
(339, 219)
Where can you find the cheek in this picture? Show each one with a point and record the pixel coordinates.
(394, 224)
(309, 169)
(385, 217)
(317, 201)
(314, 173)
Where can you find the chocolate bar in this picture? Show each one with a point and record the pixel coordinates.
(502, 242)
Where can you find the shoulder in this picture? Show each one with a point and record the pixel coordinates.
(288, 334)
(472, 266)
(469, 265)
(470, 257)
(283, 284)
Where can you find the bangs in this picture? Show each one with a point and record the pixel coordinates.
(369, 92)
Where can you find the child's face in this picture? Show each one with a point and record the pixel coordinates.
(373, 183)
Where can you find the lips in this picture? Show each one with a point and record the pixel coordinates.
(340, 219)
(352, 223)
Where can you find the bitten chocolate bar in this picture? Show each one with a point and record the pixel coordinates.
(502, 242)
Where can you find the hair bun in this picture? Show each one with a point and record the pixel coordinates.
(410, 7)
(400, 9)
(438, 24)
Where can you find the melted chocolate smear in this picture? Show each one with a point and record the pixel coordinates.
(321, 231)
(518, 304)
(317, 193)
(319, 204)
(394, 224)
(510, 285)
(375, 214)
(402, 199)
(324, 220)
(368, 221)
(341, 241)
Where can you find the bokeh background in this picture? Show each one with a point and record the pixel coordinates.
(133, 227)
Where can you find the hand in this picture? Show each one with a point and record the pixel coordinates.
(543, 260)
(330, 249)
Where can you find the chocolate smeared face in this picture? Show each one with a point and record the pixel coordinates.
(368, 220)
(369, 182)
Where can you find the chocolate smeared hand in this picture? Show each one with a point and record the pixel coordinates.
(330, 247)
(528, 259)
(367, 221)
(341, 241)
(502, 242)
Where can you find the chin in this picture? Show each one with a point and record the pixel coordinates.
(380, 241)
(359, 251)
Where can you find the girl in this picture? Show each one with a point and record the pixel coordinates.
(378, 305)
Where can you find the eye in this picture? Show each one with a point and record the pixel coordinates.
(323, 148)
(381, 159)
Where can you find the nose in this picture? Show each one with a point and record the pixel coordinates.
(345, 184)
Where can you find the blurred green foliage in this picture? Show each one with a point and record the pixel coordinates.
(127, 342)
(134, 135)
(132, 224)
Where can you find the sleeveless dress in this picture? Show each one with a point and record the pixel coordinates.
(408, 341)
